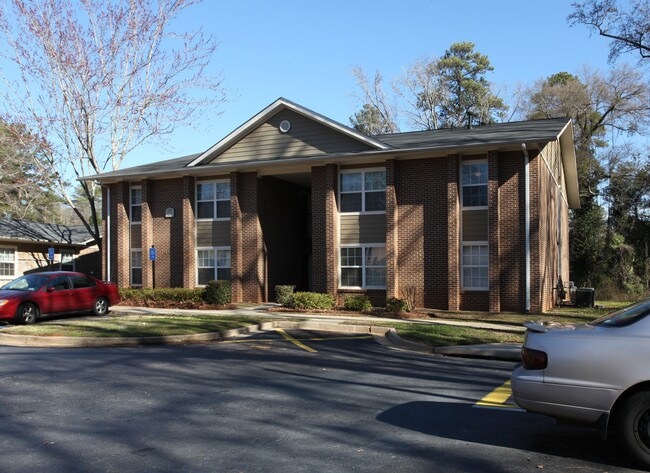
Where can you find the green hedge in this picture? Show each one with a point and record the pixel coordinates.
(171, 294)
(217, 292)
(396, 306)
(312, 300)
(357, 302)
(284, 294)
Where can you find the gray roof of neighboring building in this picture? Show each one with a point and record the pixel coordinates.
(35, 232)
(499, 133)
(159, 166)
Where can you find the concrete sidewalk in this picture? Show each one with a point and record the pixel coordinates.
(496, 351)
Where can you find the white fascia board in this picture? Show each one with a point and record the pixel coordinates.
(271, 110)
(569, 165)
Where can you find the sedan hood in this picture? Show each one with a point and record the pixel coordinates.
(11, 294)
(543, 326)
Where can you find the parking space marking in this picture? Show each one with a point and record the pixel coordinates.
(294, 341)
(498, 399)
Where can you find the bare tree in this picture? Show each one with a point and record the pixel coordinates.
(378, 114)
(423, 91)
(97, 78)
(629, 29)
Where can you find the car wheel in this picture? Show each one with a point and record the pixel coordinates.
(27, 313)
(634, 427)
(101, 306)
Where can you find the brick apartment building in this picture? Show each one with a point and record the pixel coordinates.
(470, 218)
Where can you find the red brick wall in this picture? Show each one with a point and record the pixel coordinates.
(453, 229)
(188, 220)
(120, 251)
(494, 237)
(325, 229)
(392, 280)
(511, 231)
(247, 246)
(423, 237)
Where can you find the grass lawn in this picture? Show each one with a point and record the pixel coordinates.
(445, 335)
(133, 326)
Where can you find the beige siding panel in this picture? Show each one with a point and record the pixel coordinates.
(357, 229)
(305, 138)
(209, 234)
(136, 235)
(475, 225)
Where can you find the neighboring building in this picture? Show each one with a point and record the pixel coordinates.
(472, 219)
(24, 249)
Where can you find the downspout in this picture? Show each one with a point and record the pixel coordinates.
(108, 233)
(527, 221)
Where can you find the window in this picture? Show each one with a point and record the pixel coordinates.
(136, 204)
(81, 282)
(363, 266)
(475, 266)
(61, 283)
(67, 260)
(7, 262)
(212, 264)
(363, 191)
(136, 267)
(213, 200)
(474, 176)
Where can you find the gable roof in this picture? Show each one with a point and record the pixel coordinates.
(273, 109)
(36, 232)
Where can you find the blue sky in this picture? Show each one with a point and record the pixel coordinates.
(304, 51)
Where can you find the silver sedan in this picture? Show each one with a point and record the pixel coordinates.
(597, 374)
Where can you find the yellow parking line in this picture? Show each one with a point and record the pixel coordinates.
(294, 341)
(498, 398)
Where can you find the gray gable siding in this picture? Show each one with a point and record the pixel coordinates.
(305, 138)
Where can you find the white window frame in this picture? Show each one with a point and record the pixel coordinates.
(72, 255)
(15, 250)
(131, 204)
(363, 266)
(132, 267)
(216, 265)
(462, 186)
(363, 190)
(462, 265)
(214, 201)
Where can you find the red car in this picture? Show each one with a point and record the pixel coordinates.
(36, 295)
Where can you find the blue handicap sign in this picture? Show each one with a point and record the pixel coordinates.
(50, 254)
(152, 253)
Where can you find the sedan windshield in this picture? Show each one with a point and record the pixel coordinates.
(31, 283)
(626, 316)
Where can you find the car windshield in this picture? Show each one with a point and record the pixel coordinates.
(626, 316)
(31, 282)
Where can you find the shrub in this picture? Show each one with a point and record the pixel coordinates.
(312, 300)
(396, 306)
(217, 292)
(167, 294)
(284, 295)
(358, 302)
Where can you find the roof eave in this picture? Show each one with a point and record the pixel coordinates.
(569, 164)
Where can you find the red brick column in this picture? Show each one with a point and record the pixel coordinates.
(494, 269)
(536, 257)
(325, 229)
(247, 244)
(392, 280)
(453, 235)
(147, 234)
(189, 233)
(121, 235)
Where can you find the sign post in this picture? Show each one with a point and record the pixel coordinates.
(152, 258)
(50, 255)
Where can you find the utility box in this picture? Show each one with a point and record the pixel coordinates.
(585, 297)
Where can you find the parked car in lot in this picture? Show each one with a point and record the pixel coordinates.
(597, 374)
(35, 295)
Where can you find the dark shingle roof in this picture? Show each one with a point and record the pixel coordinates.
(495, 134)
(43, 232)
(159, 166)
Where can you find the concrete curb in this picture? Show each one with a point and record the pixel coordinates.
(384, 335)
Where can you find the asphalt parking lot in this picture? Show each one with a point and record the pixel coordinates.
(291, 401)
